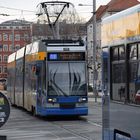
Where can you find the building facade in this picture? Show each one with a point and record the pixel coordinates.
(14, 34)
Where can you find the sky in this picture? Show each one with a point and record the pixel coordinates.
(30, 5)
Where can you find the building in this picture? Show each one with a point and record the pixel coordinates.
(103, 11)
(14, 34)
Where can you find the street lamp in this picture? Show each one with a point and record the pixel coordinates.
(94, 46)
(80, 4)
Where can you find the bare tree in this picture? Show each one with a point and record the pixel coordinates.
(61, 17)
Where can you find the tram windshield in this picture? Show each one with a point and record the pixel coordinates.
(67, 79)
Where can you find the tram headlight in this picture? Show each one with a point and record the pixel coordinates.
(52, 100)
(82, 99)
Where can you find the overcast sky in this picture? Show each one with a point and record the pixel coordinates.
(84, 11)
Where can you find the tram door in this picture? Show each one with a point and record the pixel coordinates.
(41, 84)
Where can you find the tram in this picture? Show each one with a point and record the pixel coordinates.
(121, 75)
(48, 77)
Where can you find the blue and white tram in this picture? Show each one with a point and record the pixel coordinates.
(48, 77)
(121, 75)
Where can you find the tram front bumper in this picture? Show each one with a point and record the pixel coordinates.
(58, 111)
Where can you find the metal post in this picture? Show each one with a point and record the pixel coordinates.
(94, 50)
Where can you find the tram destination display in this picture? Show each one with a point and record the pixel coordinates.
(4, 109)
(67, 56)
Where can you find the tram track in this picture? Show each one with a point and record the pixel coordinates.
(73, 132)
(22, 125)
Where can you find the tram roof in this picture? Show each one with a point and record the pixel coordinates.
(47, 45)
(11, 57)
(63, 43)
(129, 11)
(20, 53)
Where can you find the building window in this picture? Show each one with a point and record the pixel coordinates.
(26, 37)
(17, 47)
(5, 48)
(0, 58)
(11, 48)
(5, 58)
(5, 37)
(10, 37)
(1, 46)
(17, 37)
(0, 69)
(5, 69)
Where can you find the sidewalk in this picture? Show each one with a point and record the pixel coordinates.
(91, 94)
(91, 97)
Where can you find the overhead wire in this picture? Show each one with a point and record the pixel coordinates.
(27, 11)
(10, 8)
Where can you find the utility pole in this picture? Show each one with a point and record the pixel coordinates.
(94, 51)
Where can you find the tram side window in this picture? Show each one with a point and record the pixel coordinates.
(118, 73)
(139, 51)
(115, 53)
(133, 71)
(44, 76)
(121, 53)
(118, 53)
(115, 70)
(133, 52)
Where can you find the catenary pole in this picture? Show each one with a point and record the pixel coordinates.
(94, 50)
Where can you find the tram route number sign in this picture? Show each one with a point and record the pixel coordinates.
(4, 109)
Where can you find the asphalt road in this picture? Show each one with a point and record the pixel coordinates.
(23, 126)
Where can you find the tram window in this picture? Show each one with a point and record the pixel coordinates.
(139, 51)
(133, 71)
(138, 75)
(44, 76)
(133, 52)
(115, 53)
(115, 74)
(118, 73)
(121, 53)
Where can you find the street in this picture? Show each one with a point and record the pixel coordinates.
(23, 126)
